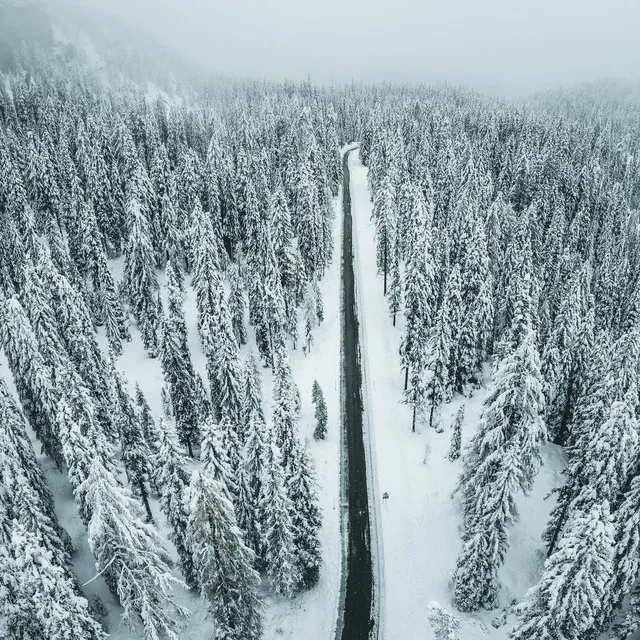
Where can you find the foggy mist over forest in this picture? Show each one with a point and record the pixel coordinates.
(497, 45)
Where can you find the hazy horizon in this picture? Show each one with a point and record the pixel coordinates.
(496, 46)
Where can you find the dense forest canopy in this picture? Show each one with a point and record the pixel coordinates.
(508, 238)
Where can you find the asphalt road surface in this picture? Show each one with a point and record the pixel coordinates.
(357, 621)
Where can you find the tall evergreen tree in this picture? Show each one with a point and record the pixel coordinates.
(223, 562)
(503, 458)
(140, 282)
(40, 600)
(177, 366)
(173, 480)
(568, 597)
(278, 535)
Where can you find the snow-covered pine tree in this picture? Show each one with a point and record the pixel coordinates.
(568, 597)
(310, 317)
(320, 431)
(285, 409)
(438, 361)
(306, 516)
(563, 358)
(237, 304)
(252, 397)
(173, 479)
(257, 439)
(274, 512)
(384, 216)
(177, 367)
(224, 564)
(503, 458)
(214, 458)
(456, 435)
(111, 309)
(151, 435)
(419, 300)
(395, 289)
(309, 223)
(40, 600)
(140, 283)
(604, 425)
(136, 454)
(29, 500)
(129, 555)
(32, 376)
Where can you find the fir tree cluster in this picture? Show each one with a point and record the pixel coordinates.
(114, 208)
(508, 242)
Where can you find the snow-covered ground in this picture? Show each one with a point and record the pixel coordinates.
(420, 521)
(312, 614)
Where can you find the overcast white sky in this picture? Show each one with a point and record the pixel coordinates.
(502, 45)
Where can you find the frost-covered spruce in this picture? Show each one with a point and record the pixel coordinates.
(277, 531)
(503, 459)
(26, 494)
(563, 359)
(456, 435)
(320, 413)
(477, 300)
(41, 600)
(252, 398)
(130, 555)
(285, 411)
(250, 479)
(395, 287)
(136, 454)
(438, 358)
(306, 516)
(224, 564)
(605, 426)
(177, 367)
(223, 364)
(214, 458)
(419, 298)
(568, 598)
(147, 422)
(626, 560)
(485, 539)
(452, 302)
(310, 317)
(140, 282)
(32, 376)
(384, 216)
(271, 310)
(173, 479)
(237, 304)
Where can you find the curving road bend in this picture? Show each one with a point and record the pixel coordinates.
(357, 621)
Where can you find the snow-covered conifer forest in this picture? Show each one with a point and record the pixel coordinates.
(172, 449)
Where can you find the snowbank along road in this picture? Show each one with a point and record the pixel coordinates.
(358, 621)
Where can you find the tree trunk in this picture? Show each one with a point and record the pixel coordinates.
(385, 269)
(433, 406)
(394, 319)
(145, 501)
(189, 449)
(561, 436)
(413, 421)
(406, 378)
(273, 365)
